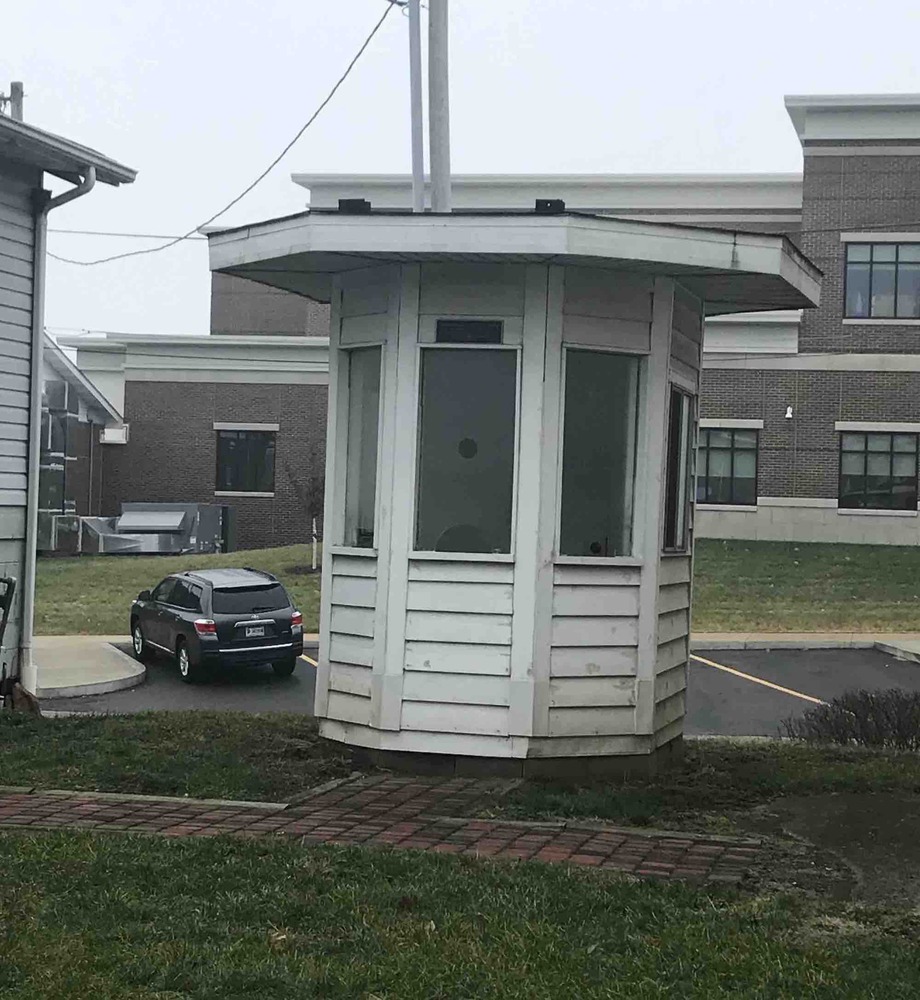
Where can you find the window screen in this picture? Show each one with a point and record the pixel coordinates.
(361, 461)
(598, 453)
(246, 461)
(466, 450)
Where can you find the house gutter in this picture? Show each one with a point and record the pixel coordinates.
(28, 670)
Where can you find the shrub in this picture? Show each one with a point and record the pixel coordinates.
(888, 719)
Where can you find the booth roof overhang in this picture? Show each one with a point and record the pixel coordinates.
(729, 271)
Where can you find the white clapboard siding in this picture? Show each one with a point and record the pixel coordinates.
(687, 317)
(595, 631)
(354, 591)
(684, 349)
(472, 289)
(352, 621)
(673, 597)
(615, 295)
(355, 649)
(354, 566)
(480, 598)
(593, 661)
(449, 626)
(671, 654)
(365, 298)
(350, 679)
(670, 710)
(362, 330)
(673, 625)
(349, 708)
(458, 658)
(451, 571)
(670, 682)
(595, 331)
(600, 721)
(589, 692)
(595, 601)
(596, 576)
(674, 569)
(435, 717)
(456, 689)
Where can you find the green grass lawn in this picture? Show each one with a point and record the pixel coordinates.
(791, 587)
(102, 917)
(93, 594)
(739, 586)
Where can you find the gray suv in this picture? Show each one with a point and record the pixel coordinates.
(218, 618)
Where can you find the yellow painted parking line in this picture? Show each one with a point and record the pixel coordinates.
(757, 680)
(304, 656)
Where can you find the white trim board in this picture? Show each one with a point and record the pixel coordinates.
(888, 237)
(816, 362)
(218, 426)
(885, 427)
(741, 425)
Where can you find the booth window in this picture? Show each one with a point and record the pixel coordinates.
(678, 472)
(878, 471)
(727, 466)
(361, 462)
(598, 453)
(467, 401)
(245, 461)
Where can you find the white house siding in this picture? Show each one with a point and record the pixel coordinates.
(17, 235)
(673, 643)
(351, 638)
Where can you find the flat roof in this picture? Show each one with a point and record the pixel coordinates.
(24, 143)
(729, 271)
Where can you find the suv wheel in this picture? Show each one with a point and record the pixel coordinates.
(284, 668)
(138, 642)
(189, 672)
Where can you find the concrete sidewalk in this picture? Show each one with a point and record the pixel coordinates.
(70, 666)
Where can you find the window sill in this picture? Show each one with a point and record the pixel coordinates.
(863, 512)
(352, 550)
(742, 507)
(870, 321)
(242, 493)
(597, 561)
(483, 557)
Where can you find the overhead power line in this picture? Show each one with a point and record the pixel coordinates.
(136, 236)
(194, 231)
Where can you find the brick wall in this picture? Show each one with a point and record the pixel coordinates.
(243, 307)
(171, 454)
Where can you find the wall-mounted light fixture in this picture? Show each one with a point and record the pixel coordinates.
(788, 412)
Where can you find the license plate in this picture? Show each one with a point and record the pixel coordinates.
(255, 631)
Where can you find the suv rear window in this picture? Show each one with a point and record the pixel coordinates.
(246, 600)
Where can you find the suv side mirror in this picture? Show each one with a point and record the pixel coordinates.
(144, 595)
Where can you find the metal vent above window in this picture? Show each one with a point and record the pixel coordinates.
(469, 331)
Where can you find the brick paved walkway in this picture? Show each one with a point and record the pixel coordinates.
(399, 812)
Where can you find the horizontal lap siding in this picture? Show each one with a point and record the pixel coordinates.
(603, 309)
(17, 234)
(594, 655)
(458, 647)
(673, 640)
(351, 638)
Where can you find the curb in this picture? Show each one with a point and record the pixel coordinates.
(779, 643)
(137, 675)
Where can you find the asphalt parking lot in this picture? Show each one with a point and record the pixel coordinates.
(749, 693)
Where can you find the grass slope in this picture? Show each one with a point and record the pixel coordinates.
(99, 918)
(92, 595)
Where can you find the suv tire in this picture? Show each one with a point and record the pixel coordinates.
(189, 671)
(138, 642)
(284, 668)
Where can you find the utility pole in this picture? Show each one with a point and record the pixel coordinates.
(438, 105)
(417, 113)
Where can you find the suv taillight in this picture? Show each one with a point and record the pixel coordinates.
(205, 626)
(297, 619)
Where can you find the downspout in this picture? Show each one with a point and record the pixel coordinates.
(43, 205)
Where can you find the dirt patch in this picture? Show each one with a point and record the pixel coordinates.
(863, 846)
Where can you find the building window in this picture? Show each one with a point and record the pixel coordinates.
(245, 461)
(361, 460)
(726, 466)
(468, 401)
(598, 453)
(878, 471)
(883, 280)
(678, 473)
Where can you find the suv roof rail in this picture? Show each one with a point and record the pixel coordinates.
(261, 572)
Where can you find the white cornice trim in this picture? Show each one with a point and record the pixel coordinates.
(218, 426)
(815, 362)
(731, 424)
(870, 237)
(878, 426)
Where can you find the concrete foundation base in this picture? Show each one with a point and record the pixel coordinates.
(564, 769)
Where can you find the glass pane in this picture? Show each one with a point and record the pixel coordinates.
(909, 251)
(466, 450)
(249, 600)
(878, 465)
(677, 469)
(361, 449)
(703, 438)
(909, 290)
(852, 464)
(853, 442)
(720, 439)
(858, 251)
(884, 251)
(745, 439)
(878, 442)
(720, 463)
(852, 491)
(745, 465)
(857, 303)
(904, 465)
(905, 442)
(882, 303)
(598, 454)
(745, 491)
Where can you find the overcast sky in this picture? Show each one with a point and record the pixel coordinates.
(199, 96)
